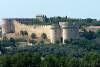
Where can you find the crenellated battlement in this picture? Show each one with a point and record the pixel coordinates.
(34, 26)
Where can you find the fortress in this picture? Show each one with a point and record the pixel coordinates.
(54, 32)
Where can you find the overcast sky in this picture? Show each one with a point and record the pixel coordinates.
(30, 8)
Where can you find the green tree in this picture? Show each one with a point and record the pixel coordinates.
(43, 36)
(89, 35)
(12, 41)
(50, 61)
(33, 35)
(98, 33)
(5, 61)
(23, 33)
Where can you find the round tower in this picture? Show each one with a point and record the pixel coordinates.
(8, 26)
(55, 33)
(69, 31)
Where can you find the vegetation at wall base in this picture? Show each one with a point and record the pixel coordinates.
(79, 53)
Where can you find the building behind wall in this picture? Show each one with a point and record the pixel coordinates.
(41, 18)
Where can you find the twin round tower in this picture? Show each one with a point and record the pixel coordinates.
(64, 31)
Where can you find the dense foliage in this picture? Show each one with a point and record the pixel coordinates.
(56, 19)
(76, 53)
(36, 60)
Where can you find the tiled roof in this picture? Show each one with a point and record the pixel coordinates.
(94, 27)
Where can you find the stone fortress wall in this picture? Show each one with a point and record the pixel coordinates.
(38, 29)
(54, 33)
